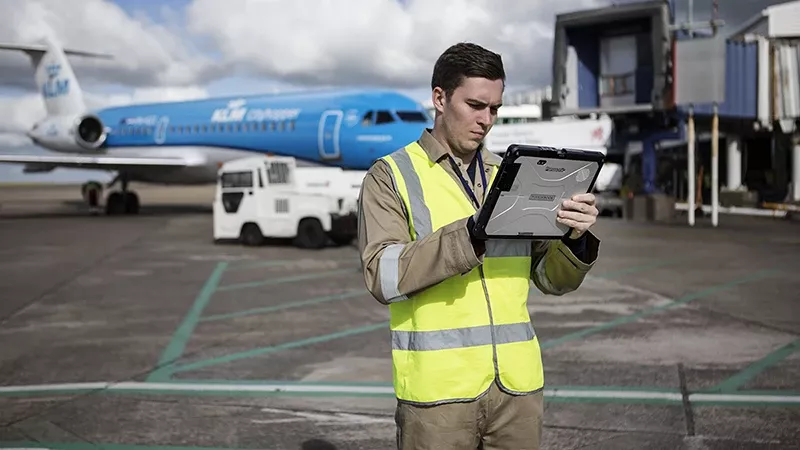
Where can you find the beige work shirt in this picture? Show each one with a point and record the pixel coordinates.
(448, 251)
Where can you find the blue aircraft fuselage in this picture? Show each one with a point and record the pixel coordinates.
(348, 129)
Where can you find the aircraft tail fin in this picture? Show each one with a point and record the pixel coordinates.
(54, 76)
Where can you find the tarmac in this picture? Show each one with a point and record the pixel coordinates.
(140, 332)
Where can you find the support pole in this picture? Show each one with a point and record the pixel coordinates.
(796, 171)
(690, 139)
(715, 167)
(734, 162)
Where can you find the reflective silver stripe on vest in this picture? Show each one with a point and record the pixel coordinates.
(389, 273)
(461, 337)
(508, 247)
(419, 211)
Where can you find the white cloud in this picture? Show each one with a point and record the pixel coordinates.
(146, 53)
(376, 41)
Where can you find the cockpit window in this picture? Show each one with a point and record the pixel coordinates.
(367, 119)
(383, 117)
(412, 116)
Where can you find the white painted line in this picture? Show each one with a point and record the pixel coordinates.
(611, 394)
(326, 418)
(608, 394)
(736, 398)
(53, 387)
(203, 387)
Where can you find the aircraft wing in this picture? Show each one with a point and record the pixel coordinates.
(93, 162)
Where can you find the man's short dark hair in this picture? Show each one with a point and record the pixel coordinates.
(465, 60)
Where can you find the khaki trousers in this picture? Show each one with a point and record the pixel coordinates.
(493, 422)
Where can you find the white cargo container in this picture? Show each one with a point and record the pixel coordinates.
(270, 197)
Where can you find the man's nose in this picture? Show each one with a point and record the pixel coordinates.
(484, 118)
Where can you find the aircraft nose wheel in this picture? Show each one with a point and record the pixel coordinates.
(122, 203)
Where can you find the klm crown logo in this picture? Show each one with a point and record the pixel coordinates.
(54, 87)
(52, 70)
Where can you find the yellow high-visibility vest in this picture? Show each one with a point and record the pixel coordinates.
(452, 340)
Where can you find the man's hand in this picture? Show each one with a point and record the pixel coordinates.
(578, 213)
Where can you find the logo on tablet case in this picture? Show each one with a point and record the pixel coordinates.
(542, 197)
(554, 169)
(583, 175)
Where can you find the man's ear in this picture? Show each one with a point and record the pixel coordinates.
(438, 99)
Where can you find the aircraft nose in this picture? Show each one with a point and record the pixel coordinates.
(32, 135)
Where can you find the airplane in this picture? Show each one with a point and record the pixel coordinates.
(185, 143)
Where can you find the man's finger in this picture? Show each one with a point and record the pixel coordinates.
(570, 205)
(587, 198)
(574, 215)
(570, 223)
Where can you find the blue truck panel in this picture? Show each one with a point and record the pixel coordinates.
(587, 49)
(741, 83)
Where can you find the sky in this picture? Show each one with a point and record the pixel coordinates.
(187, 49)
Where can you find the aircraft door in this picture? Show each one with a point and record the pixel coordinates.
(328, 139)
(161, 130)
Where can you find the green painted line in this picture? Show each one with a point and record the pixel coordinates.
(281, 262)
(281, 347)
(251, 382)
(259, 264)
(751, 371)
(105, 446)
(178, 342)
(287, 305)
(280, 280)
(633, 317)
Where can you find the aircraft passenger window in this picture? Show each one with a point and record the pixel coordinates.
(278, 173)
(205, 128)
(383, 117)
(280, 126)
(237, 179)
(412, 116)
(272, 126)
(263, 126)
(197, 128)
(291, 125)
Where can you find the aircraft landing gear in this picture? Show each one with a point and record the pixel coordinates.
(122, 201)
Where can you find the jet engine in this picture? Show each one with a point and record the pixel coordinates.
(71, 134)
(89, 132)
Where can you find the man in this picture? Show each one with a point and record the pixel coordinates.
(467, 363)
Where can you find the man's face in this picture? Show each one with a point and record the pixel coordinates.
(469, 113)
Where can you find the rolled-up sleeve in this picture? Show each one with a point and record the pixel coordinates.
(394, 266)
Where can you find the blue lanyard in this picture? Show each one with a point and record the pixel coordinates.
(464, 182)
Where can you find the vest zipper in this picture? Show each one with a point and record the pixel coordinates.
(491, 324)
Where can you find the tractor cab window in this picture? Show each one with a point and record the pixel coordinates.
(278, 173)
(243, 179)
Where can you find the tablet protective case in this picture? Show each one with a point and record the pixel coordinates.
(529, 189)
